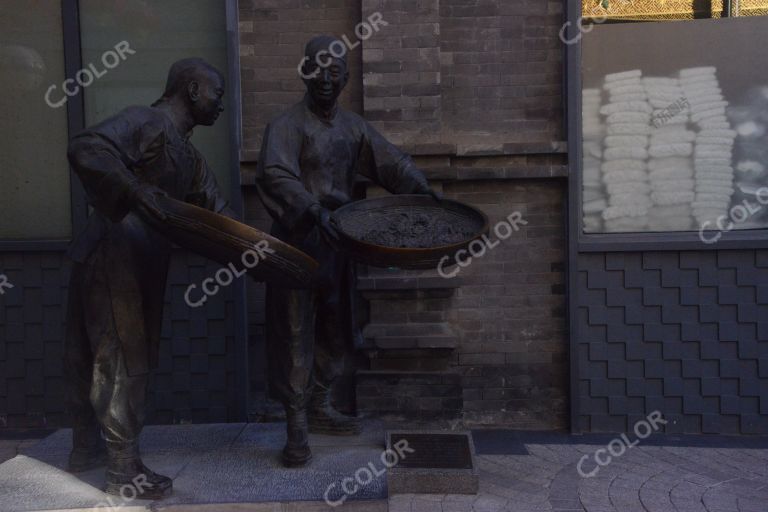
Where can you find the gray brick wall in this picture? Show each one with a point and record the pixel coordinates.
(510, 310)
(473, 89)
(468, 73)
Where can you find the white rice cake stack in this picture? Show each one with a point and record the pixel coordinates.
(625, 152)
(670, 149)
(594, 196)
(713, 151)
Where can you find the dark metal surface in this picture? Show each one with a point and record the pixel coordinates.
(353, 219)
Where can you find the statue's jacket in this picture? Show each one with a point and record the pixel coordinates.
(126, 260)
(306, 160)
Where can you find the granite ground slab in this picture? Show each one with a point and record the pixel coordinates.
(210, 464)
(226, 468)
(539, 472)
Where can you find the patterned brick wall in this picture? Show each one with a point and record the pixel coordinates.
(195, 380)
(684, 333)
(31, 335)
(256, 216)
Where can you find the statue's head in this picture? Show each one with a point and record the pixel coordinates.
(199, 87)
(325, 69)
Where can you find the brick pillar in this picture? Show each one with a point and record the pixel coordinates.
(410, 347)
(401, 69)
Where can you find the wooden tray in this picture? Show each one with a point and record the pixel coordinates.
(225, 240)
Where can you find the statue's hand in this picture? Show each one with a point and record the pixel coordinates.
(145, 201)
(326, 224)
(427, 190)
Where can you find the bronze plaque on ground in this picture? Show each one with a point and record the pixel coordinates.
(443, 451)
(431, 462)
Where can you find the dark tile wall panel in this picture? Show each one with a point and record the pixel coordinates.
(195, 380)
(684, 333)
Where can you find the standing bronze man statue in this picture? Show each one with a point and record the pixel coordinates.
(309, 158)
(118, 279)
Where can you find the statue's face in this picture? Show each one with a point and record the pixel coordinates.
(328, 81)
(206, 95)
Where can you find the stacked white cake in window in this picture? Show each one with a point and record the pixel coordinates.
(594, 196)
(713, 151)
(625, 174)
(670, 166)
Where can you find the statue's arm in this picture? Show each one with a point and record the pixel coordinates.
(205, 191)
(388, 166)
(102, 157)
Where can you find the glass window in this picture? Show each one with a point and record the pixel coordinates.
(157, 34)
(34, 173)
(675, 126)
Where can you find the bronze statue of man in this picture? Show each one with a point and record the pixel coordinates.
(118, 279)
(309, 158)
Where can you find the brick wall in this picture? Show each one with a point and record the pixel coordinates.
(472, 88)
(510, 310)
(467, 73)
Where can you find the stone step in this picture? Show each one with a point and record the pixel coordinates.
(412, 335)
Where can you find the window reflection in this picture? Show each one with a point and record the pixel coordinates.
(35, 194)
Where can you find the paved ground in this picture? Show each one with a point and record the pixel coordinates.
(539, 473)
(225, 463)
(519, 472)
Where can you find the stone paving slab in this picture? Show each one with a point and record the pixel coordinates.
(301, 506)
(223, 468)
(537, 472)
(210, 464)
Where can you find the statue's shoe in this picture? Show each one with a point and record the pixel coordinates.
(296, 456)
(328, 421)
(296, 452)
(131, 479)
(83, 459)
(89, 450)
(324, 419)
